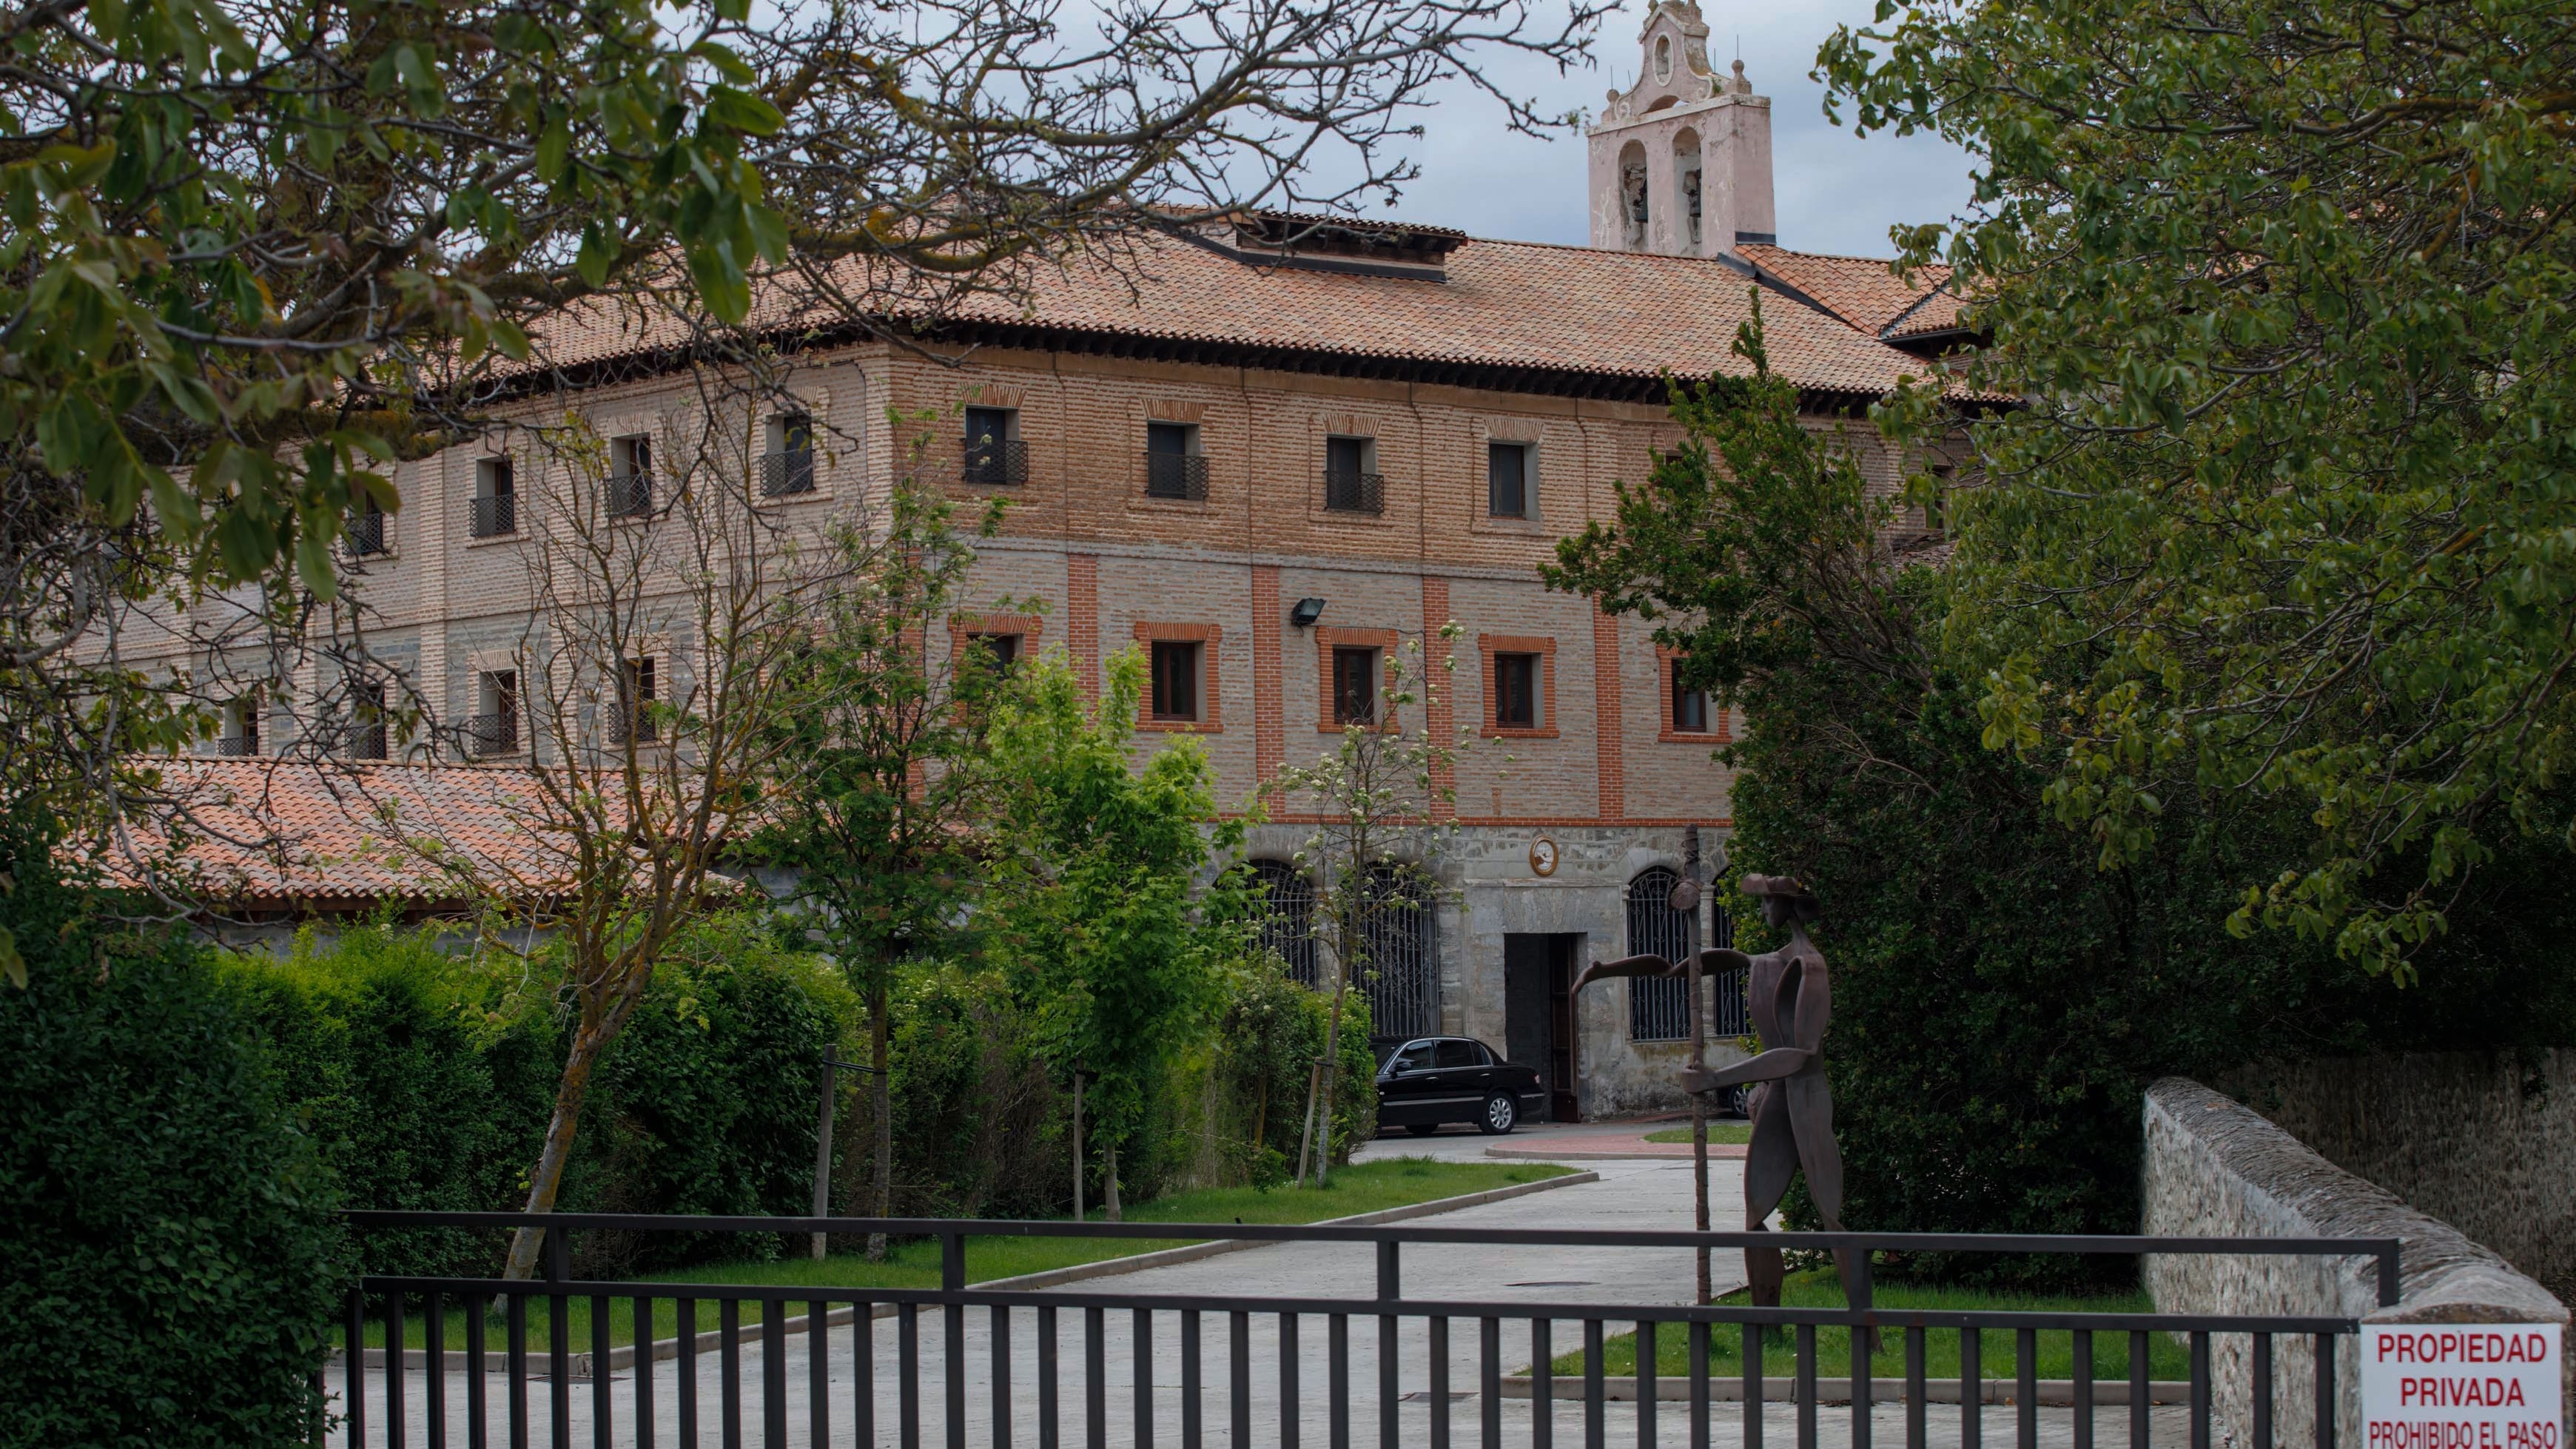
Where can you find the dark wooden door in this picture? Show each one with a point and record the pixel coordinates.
(1538, 1013)
(1561, 1063)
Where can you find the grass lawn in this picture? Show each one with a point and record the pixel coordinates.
(1738, 1133)
(1360, 1188)
(2166, 1359)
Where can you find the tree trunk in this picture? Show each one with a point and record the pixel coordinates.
(1077, 1147)
(1306, 1126)
(1109, 1189)
(1331, 1070)
(883, 1097)
(548, 1179)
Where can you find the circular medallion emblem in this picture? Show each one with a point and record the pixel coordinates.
(1542, 856)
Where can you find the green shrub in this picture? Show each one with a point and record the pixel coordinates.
(980, 1128)
(169, 1246)
(1267, 1041)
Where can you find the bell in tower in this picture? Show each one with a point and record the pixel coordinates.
(1681, 161)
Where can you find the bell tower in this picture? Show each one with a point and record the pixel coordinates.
(1681, 161)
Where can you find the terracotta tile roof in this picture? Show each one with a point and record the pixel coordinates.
(279, 833)
(1863, 291)
(1505, 304)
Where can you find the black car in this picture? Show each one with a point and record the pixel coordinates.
(1430, 1080)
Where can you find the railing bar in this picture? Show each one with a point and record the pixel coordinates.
(603, 1425)
(1595, 1431)
(559, 1344)
(1972, 1389)
(863, 1373)
(433, 1347)
(1753, 1386)
(1095, 1378)
(396, 1421)
(818, 1372)
(1192, 1436)
(1337, 1379)
(1542, 1386)
(2083, 1370)
(1049, 1415)
(1001, 1335)
(1645, 1383)
(684, 1318)
(2138, 1390)
(2200, 1391)
(1489, 1380)
(1387, 1398)
(1141, 1360)
(518, 1369)
(477, 1363)
(1238, 1379)
(729, 1370)
(1916, 1430)
(1287, 1381)
(643, 1370)
(1699, 1386)
(907, 1377)
(952, 1330)
(2261, 1351)
(2026, 1388)
(1806, 1386)
(2325, 1397)
(1864, 1387)
(1436, 1338)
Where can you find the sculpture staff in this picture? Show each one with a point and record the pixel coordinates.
(1791, 1003)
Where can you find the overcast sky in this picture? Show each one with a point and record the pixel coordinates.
(1835, 192)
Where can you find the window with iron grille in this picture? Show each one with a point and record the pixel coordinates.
(630, 476)
(367, 734)
(496, 498)
(1398, 976)
(1176, 680)
(364, 530)
(1659, 1007)
(787, 468)
(632, 718)
(241, 726)
(1351, 481)
(994, 454)
(1355, 686)
(1288, 918)
(1174, 467)
(1507, 480)
(1728, 1013)
(493, 728)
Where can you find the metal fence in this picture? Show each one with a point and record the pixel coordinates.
(958, 1365)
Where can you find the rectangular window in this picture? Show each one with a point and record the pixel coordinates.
(788, 467)
(630, 476)
(494, 728)
(496, 498)
(998, 652)
(1174, 467)
(1355, 686)
(633, 719)
(241, 727)
(1351, 482)
(1176, 680)
(993, 451)
(364, 530)
(1516, 685)
(1507, 491)
(367, 722)
(1690, 707)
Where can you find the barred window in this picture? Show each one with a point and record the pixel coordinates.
(1728, 1016)
(1288, 918)
(1659, 1007)
(1399, 976)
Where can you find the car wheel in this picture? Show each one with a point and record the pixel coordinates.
(1500, 1115)
(1422, 1129)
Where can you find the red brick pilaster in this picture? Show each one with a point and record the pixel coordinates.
(1610, 761)
(1082, 618)
(1269, 708)
(1443, 684)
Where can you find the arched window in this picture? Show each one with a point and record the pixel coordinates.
(1659, 1007)
(1287, 917)
(1398, 975)
(1727, 1016)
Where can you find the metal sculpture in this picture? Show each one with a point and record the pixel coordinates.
(1791, 1003)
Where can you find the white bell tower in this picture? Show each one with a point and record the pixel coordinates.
(1681, 162)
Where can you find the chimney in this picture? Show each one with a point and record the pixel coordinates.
(1681, 162)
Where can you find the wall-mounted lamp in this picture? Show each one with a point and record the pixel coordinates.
(1305, 612)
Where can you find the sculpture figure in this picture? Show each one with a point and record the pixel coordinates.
(1791, 1003)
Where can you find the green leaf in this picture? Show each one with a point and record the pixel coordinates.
(11, 964)
(554, 151)
(740, 110)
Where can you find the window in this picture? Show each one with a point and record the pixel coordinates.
(241, 726)
(1351, 482)
(1516, 681)
(1174, 467)
(788, 467)
(1397, 970)
(1176, 679)
(998, 652)
(1507, 480)
(1690, 707)
(1416, 1057)
(630, 476)
(1452, 1054)
(494, 726)
(1936, 509)
(364, 530)
(632, 718)
(1355, 686)
(994, 454)
(1659, 1006)
(367, 722)
(496, 498)
(1288, 918)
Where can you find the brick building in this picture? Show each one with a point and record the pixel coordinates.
(1392, 424)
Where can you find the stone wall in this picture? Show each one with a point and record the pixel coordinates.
(2213, 1167)
(2482, 1140)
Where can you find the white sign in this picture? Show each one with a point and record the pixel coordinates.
(2460, 1386)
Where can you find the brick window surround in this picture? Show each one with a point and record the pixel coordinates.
(1490, 645)
(1716, 733)
(962, 627)
(1211, 718)
(1326, 641)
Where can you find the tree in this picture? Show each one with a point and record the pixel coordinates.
(258, 249)
(886, 825)
(2284, 514)
(652, 673)
(1384, 799)
(1099, 912)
